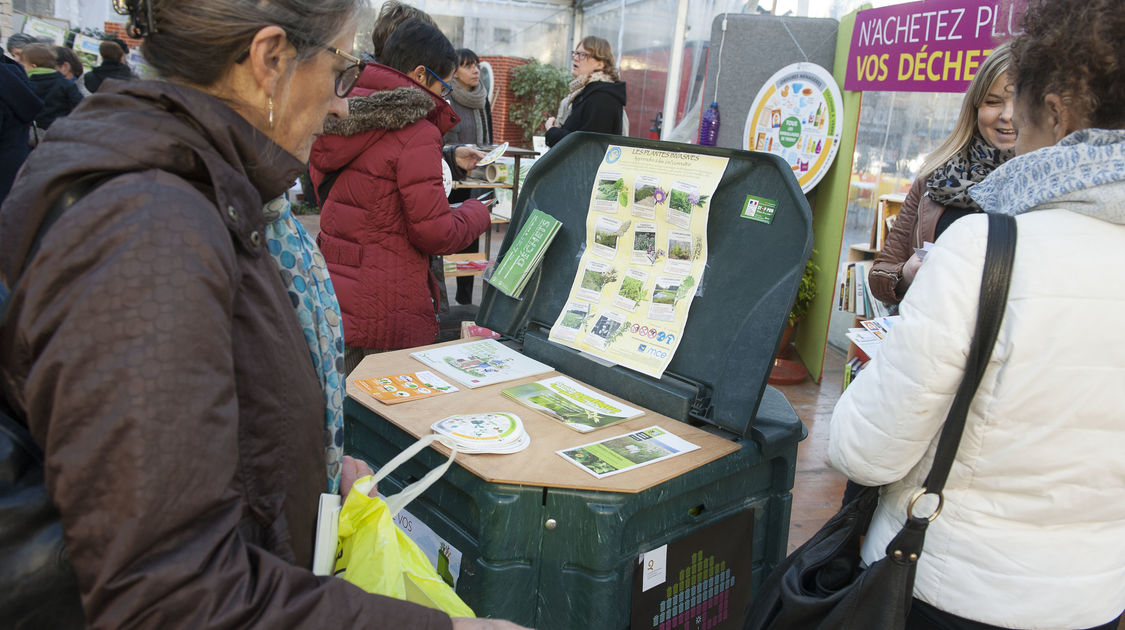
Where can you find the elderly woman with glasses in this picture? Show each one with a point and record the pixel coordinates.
(597, 95)
(153, 348)
(379, 176)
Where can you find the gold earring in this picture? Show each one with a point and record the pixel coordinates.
(271, 113)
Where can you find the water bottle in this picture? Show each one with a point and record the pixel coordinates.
(709, 126)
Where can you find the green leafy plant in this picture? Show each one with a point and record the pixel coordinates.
(538, 88)
(805, 292)
(608, 190)
(632, 289)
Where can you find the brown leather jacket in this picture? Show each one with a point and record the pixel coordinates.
(915, 225)
(153, 348)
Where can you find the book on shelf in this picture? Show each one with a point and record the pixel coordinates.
(855, 292)
(480, 363)
(525, 253)
(576, 406)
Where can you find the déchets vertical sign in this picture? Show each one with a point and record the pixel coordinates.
(931, 46)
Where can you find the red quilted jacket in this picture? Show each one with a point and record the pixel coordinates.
(387, 210)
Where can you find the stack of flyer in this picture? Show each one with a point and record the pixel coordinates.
(479, 433)
(525, 254)
(479, 363)
(871, 335)
(397, 388)
(577, 407)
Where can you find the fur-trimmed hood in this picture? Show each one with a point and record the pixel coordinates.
(392, 109)
(383, 101)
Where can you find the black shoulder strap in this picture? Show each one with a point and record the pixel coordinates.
(74, 191)
(995, 279)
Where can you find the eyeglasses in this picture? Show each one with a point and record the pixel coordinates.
(445, 89)
(579, 55)
(348, 77)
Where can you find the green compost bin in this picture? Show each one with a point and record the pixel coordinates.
(552, 558)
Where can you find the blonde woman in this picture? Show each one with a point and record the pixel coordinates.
(597, 95)
(983, 139)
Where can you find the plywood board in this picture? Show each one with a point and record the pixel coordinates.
(539, 465)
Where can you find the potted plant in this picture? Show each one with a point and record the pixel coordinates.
(806, 291)
(538, 88)
(786, 371)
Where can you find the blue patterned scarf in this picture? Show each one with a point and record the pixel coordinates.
(1085, 172)
(305, 276)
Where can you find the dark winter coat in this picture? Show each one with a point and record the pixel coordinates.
(598, 107)
(59, 96)
(18, 107)
(159, 360)
(387, 210)
(108, 70)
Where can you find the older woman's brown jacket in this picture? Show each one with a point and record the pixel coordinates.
(160, 364)
(915, 225)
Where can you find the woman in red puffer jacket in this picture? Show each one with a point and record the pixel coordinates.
(387, 210)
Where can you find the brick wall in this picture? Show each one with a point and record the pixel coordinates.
(504, 130)
(117, 29)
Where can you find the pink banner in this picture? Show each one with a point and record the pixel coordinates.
(929, 46)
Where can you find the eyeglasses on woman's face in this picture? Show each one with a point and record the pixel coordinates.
(579, 55)
(446, 88)
(348, 77)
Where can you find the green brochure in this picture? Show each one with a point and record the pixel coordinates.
(525, 254)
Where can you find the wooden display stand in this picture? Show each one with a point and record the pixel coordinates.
(888, 208)
(515, 153)
(538, 465)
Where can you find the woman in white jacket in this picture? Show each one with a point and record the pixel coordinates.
(1032, 534)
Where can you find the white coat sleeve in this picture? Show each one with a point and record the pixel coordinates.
(885, 421)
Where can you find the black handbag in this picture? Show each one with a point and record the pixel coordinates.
(38, 587)
(823, 585)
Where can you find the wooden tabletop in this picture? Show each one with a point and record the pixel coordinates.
(539, 464)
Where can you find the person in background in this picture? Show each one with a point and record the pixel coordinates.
(470, 100)
(387, 209)
(150, 342)
(59, 96)
(70, 66)
(1032, 534)
(113, 66)
(597, 96)
(16, 44)
(19, 106)
(393, 13)
(982, 140)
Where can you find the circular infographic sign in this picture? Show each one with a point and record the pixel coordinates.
(797, 115)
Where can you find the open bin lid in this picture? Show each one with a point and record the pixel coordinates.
(735, 323)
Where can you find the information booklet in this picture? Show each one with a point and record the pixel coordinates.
(626, 452)
(480, 363)
(397, 388)
(577, 407)
(525, 254)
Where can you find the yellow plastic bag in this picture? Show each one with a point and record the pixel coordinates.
(375, 555)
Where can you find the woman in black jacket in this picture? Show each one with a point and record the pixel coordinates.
(597, 95)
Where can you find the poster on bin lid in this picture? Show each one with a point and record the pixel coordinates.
(644, 257)
(797, 115)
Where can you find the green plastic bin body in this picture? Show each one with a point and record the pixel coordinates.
(564, 559)
(561, 559)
